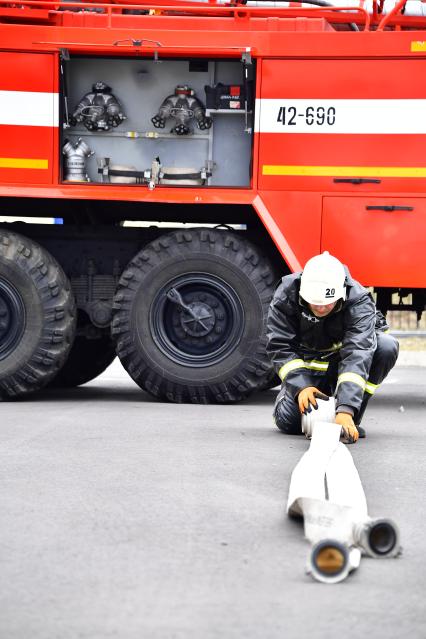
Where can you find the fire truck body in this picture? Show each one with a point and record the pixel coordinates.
(292, 130)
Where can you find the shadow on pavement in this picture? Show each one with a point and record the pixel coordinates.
(112, 393)
(88, 393)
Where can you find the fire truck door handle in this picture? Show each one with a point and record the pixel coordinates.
(356, 181)
(390, 208)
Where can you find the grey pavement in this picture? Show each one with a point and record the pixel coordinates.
(121, 517)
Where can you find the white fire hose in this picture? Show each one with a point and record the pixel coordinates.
(326, 490)
(325, 412)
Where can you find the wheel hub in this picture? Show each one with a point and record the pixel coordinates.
(200, 321)
(197, 319)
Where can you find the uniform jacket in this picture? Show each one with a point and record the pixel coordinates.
(301, 345)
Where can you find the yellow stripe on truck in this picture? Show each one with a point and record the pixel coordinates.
(23, 163)
(345, 171)
(418, 45)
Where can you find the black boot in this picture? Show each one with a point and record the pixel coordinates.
(360, 415)
(361, 431)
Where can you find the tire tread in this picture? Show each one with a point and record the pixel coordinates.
(59, 315)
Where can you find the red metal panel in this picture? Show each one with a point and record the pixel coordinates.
(366, 150)
(381, 247)
(27, 117)
(345, 80)
(26, 72)
(293, 220)
(23, 147)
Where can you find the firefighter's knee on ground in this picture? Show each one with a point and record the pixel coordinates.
(288, 421)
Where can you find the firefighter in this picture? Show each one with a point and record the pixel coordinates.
(326, 337)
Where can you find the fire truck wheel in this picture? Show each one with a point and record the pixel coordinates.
(189, 317)
(88, 358)
(37, 316)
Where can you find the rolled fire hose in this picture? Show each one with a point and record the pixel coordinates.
(325, 412)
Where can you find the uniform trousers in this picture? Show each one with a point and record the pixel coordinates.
(286, 410)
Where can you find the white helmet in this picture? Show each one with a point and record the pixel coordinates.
(323, 280)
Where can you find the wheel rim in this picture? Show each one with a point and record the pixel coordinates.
(12, 318)
(209, 326)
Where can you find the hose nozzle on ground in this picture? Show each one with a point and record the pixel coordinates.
(378, 538)
(330, 561)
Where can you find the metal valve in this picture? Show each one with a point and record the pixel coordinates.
(98, 110)
(183, 107)
(75, 160)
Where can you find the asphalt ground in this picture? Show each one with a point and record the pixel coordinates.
(122, 517)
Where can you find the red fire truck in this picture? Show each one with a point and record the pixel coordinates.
(195, 153)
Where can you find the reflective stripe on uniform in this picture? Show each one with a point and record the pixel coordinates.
(299, 363)
(316, 365)
(370, 388)
(290, 366)
(354, 378)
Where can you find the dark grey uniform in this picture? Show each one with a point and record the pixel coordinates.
(346, 353)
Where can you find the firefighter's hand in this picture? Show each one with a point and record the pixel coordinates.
(350, 432)
(307, 399)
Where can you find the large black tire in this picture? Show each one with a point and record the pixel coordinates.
(88, 358)
(37, 316)
(211, 349)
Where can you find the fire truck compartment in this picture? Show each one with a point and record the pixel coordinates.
(389, 230)
(192, 144)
